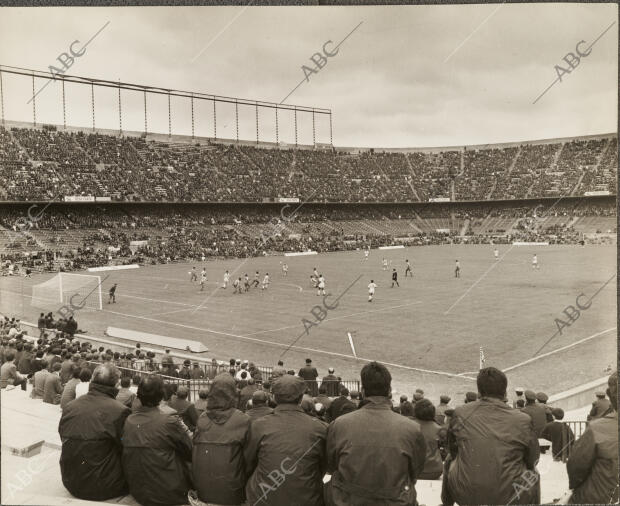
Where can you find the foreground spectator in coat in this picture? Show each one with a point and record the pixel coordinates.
(218, 464)
(600, 407)
(425, 416)
(374, 455)
(157, 450)
(52, 390)
(493, 450)
(286, 451)
(340, 406)
(201, 403)
(90, 430)
(444, 401)
(38, 380)
(593, 463)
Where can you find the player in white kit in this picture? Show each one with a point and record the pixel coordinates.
(371, 290)
(265, 282)
(535, 262)
(203, 279)
(385, 264)
(284, 269)
(366, 253)
(408, 270)
(226, 280)
(496, 254)
(321, 285)
(192, 275)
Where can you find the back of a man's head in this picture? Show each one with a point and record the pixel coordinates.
(376, 380)
(75, 371)
(203, 393)
(125, 382)
(151, 391)
(492, 383)
(612, 390)
(424, 410)
(182, 392)
(106, 375)
(56, 367)
(9, 356)
(85, 374)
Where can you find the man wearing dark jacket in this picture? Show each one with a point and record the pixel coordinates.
(90, 430)
(560, 435)
(156, 450)
(331, 383)
(340, 406)
(600, 406)
(309, 374)
(218, 463)
(493, 450)
(536, 412)
(357, 442)
(285, 455)
(593, 463)
(185, 409)
(259, 405)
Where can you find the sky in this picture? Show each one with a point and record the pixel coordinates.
(405, 76)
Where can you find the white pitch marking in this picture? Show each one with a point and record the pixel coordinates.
(283, 345)
(559, 349)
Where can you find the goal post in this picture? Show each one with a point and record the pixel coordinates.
(78, 291)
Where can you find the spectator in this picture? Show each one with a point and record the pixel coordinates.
(185, 372)
(218, 464)
(35, 363)
(157, 450)
(83, 386)
(259, 405)
(24, 366)
(425, 416)
(68, 392)
(560, 435)
(493, 450)
(340, 406)
(278, 370)
(197, 372)
(542, 399)
(9, 374)
(41, 324)
(593, 463)
(184, 408)
(322, 397)
(38, 380)
(600, 407)
(357, 441)
(90, 461)
(201, 404)
(444, 401)
(536, 412)
(407, 409)
(246, 393)
(125, 396)
(290, 441)
(309, 374)
(135, 384)
(519, 396)
(332, 382)
(471, 397)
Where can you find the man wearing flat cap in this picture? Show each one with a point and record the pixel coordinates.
(542, 399)
(309, 374)
(536, 412)
(285, 455)
(560, 435)
(600, 407)
(440, 410)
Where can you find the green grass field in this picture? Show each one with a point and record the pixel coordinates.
(428, 330)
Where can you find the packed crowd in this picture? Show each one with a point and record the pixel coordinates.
(286, 440)
(45, 163)
(67, 237)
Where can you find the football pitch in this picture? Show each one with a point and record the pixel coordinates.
(429, 330)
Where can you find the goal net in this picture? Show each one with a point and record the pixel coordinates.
(77, 291)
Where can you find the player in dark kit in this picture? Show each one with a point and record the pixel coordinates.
(394, 278)
(112, 293)
(457, 269)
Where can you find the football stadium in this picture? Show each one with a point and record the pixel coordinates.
(212, 299)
